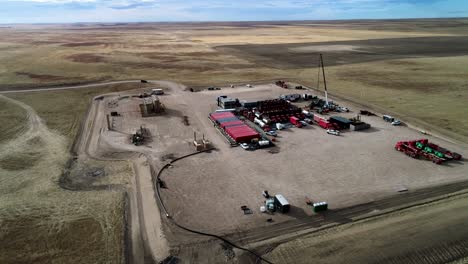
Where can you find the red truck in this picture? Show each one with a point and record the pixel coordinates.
(295, 121)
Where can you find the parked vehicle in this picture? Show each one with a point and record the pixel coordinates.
(388, 118)
(342, 109)
(304, 123)
(307, 113)
(308, 120)
(157, 91)
(333, 132)
(279, 126)
(367, 113)
(396, 123)
(246, 146)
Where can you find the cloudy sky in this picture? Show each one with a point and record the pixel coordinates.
(58, 11)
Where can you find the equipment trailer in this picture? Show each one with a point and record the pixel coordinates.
(430, 151)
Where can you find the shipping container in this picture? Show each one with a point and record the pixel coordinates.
(226, 119)
(242, 133)
(232, 123)
(281, 204)
(221, 114)
(216, 116)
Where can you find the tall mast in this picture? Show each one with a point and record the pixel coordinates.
(324, 80)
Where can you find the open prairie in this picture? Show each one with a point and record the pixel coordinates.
(437, 231)
(392, 64)
(58, 201)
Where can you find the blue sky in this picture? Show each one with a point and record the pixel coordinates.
(64, 11)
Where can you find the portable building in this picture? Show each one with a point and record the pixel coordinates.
(342, 122)
(227, 103)
(281, 204)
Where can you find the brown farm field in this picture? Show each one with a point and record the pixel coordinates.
(416, 70)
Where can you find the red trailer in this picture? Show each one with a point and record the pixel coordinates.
(295, 121)
(328, 125)
(317, 118)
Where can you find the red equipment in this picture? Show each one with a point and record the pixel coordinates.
(430, 151)
(295, 121)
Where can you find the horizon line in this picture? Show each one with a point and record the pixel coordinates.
(232, 21)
